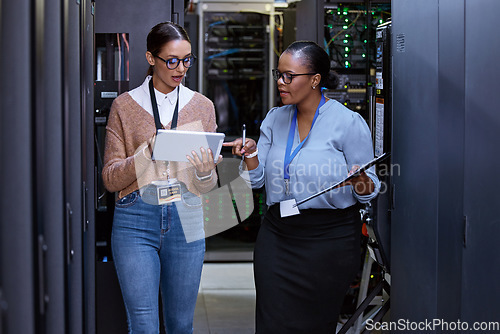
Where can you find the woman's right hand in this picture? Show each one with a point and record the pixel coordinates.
(238, 148)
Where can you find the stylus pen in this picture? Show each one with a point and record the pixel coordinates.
(244, 139)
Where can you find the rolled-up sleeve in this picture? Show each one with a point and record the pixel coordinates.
(119, 169)
(257, 175)
(358, 150)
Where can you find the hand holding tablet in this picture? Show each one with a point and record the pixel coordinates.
(177, 145)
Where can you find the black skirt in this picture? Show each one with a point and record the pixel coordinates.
(303, 266)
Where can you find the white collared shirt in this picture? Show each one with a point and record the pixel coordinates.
(166, 102)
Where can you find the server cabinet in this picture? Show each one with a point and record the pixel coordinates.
(87, 164)
(17, 239)
(415, 150)
(236, 55)
(444, 224)
(378, 217)
(73, 157)
(235, 62)
(350, 40)
(481, 221)
(41, 207)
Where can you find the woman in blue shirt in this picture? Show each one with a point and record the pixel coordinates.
(305, 259)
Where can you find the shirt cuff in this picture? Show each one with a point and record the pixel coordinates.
(204, 178)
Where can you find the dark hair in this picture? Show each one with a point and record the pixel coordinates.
(161, 34)
(316, 59)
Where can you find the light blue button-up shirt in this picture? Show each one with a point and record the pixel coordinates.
(339, 139)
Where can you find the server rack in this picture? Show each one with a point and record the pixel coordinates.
(42, 238)
(445, 222)
(236, 55)
(349, 32)
(381, 125)
(236, 58)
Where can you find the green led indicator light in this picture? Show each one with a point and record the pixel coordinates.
(344, 27)
(347, 49)
(365, 41)
(345, 41)
(346, 20)
(346, 55)
(363, 55)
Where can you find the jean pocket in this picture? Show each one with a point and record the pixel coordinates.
(190, 200)
(127, 200)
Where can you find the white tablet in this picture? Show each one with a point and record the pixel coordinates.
(175, 145)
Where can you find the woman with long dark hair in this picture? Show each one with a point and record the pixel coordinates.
(158, 238)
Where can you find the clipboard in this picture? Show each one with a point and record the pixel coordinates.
(175, 145)
(355, 174)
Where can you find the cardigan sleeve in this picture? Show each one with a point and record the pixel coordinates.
(358, 150)
(257, 175)
(209, 125)
(120, 170)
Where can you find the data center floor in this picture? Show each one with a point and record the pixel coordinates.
(226, 299)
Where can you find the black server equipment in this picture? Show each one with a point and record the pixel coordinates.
(445, 227)
(42, 199)
(357, 41)
(350, 43)
(191, 26)
(235, 73)
(236, 70)
(381, 124)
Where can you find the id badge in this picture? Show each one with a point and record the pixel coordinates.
(169, 193)
(289, 208)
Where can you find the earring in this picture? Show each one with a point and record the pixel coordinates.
(314, 87)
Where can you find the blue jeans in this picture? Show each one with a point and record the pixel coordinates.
(150, 253)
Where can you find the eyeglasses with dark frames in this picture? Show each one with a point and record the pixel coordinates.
(173, 63)
(287, 77)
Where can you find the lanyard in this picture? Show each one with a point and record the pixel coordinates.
(289, 155)
(156, 114)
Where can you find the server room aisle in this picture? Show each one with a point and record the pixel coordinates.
(226, 299)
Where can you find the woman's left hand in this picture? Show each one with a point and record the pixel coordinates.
(361, 184)
(206, 164)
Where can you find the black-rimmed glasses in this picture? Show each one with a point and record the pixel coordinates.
(173, 63)
(287, 77)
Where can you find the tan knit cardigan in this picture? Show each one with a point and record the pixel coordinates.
(127, 162)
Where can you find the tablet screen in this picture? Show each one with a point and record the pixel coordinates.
(175, 145)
